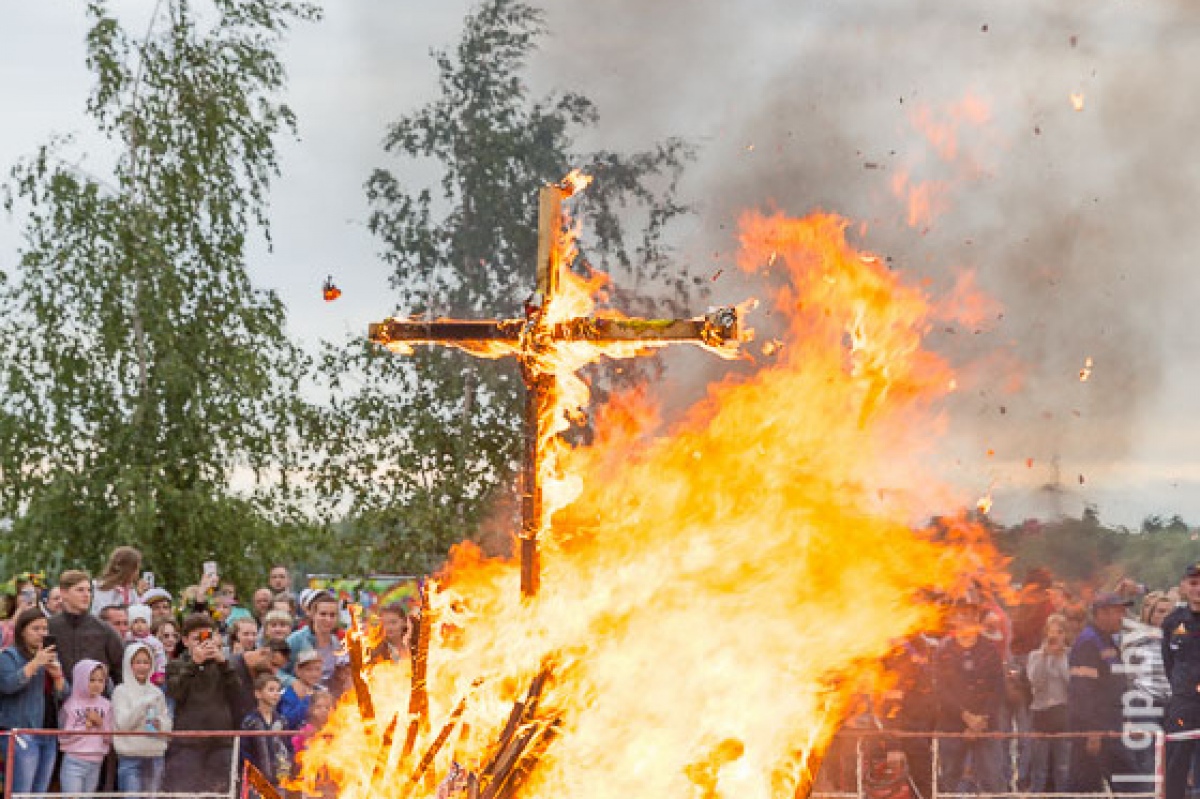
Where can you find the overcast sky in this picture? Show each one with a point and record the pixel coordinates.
(1080, 223)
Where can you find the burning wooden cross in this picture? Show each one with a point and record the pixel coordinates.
(536, 340)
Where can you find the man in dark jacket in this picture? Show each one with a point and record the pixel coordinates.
(969, 674)
(1181, 660)
(205, 689)
(78, 634)
(1094, 700)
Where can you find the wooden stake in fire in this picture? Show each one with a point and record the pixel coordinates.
(532, 337)
(362, 692)
(418, 699)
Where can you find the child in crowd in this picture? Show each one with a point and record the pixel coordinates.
(277, 625)
(85, 710)
(140, 620)
(294, 705)
(318, 784)
(139, 706)
(243, 635)
(167, 633)
(271, 755)
(1049, 677)
(320, 705)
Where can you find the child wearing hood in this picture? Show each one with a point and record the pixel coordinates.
(139, 706)
(85, 710)
(140, 621)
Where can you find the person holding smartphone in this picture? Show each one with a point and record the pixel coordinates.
(29, 700)
(205, 690)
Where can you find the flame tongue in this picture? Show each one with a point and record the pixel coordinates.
(713, 597)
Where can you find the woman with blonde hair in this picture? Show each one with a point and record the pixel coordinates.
(118, 584)
(1141, 652)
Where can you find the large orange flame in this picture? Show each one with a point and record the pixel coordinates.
(713, 595)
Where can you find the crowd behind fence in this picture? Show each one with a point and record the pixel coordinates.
(10, 740)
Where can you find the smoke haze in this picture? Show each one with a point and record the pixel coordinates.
(1077, 223)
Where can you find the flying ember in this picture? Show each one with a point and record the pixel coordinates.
(682, 642)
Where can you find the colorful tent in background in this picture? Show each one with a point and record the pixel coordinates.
(370, 591)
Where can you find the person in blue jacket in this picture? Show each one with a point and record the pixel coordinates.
(1094, 701)
(31, 686)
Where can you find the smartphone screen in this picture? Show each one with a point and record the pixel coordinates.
(210, 567)
(149, 578)
(49, 641)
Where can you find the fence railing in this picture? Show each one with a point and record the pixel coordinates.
(860, 764)
(880, 766)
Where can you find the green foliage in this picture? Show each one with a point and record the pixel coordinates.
(418, 448)
(1086, 551)
(140, 371)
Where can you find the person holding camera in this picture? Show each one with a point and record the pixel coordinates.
(31, 685)
(205, 690)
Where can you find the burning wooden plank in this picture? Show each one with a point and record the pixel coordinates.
(435, 747)
(418, 700)
(383, 755)
(522, 728)
(362, 692)
(254, 779)
(529, 760)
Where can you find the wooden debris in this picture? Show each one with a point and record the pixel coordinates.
(436, 746)
(522, 728)
(254, 778)
(529, 760)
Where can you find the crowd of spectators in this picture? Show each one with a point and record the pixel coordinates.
(1044, 688)
(119, 653)
(1052, 668)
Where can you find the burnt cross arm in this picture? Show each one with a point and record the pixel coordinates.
(718, 328)
(530, 338)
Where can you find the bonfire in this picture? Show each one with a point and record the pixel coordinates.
(713, 592)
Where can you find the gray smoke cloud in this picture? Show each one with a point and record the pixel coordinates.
(1077, 222)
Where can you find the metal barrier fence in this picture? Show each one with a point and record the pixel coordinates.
(10, 740)
(880, 761)
(865, 746)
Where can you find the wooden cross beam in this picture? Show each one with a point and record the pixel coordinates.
(531, 338)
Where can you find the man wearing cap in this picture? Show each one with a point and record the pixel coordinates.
(1181, 661)
(1094, 699)
(159, 602)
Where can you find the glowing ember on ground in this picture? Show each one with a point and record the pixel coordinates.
(693, 577)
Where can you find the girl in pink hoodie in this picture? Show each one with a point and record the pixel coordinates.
(85, 710)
